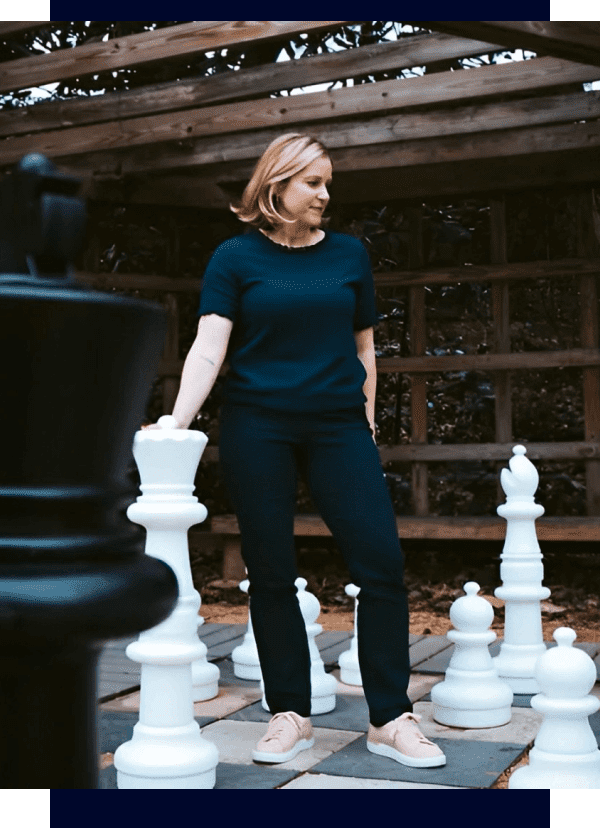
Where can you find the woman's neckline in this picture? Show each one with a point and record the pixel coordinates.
(296, 247)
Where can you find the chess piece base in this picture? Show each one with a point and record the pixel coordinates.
(204, 692)
(515, 665)
(322, 704)
(249, 672)
(471, 718)
(471, 699)
(166, 757)
(350, 668)
(550, 770)
(351, 677)
(203, 781)
(521, 686)
(205, 678)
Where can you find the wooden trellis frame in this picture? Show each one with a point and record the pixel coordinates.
(497, 128)
(501, 362)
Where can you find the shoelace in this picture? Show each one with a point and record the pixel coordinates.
(414, 718)
(276, 725)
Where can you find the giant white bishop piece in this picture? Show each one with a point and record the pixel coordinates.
(521, 572)
(167, 749)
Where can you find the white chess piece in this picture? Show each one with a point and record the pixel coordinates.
(348, 660)
(167, 749)
(472, 695)
(522, 573)
(565, 753)
(246, 663)
(323, 685)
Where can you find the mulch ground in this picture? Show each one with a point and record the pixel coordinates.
(435, 577)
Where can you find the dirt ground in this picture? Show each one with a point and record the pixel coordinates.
(421, 622)
(435, 576)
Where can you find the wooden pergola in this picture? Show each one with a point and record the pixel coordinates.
(486, 131)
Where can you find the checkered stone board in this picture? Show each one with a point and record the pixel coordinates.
(235, 721)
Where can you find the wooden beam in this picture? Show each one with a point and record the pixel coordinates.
(495, 452)
(509, 143)
(526, 361)
(498, 143)
(247, 83)
(530, 360)
(471, 452)
(441, 87)
(476, 177)
(457, 528)
(11, 27)
(457, 178)
(559, 268)
(187, 39)
(168, 190)
(544, 269)
(571, 40)
(191, 191)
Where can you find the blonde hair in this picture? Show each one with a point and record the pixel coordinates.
(283, 158)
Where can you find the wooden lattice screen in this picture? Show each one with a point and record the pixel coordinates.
(489, 130)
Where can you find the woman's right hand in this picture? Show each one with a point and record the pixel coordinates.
(166, 421)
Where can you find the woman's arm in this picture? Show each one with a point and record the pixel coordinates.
(365, 348)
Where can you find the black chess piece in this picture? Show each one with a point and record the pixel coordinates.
(76, 372)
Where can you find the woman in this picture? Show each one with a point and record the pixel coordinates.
(295, 305)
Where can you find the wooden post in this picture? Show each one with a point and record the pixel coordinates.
(587, 245)
(418, 340)
(171, 383)
(171, 352)
(501, 317)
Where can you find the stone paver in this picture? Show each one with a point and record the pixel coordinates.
(324, 782)
(235, 720)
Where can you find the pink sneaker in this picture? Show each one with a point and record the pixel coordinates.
(287, 735)
(402, 740)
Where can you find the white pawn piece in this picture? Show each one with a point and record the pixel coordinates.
(348, 660)
(565, 753)
(472, 695)
(167, 749)
(521, 572)
(323, 685)
(246, 663)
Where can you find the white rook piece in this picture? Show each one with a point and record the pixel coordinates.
(246, 663)
(522, 573)
(565, 753)
(323, 685)
(472, 695)
(348, 660)
(167, 749)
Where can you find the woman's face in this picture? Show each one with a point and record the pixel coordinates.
(305, 197)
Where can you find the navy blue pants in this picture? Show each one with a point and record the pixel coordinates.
(261, 453)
